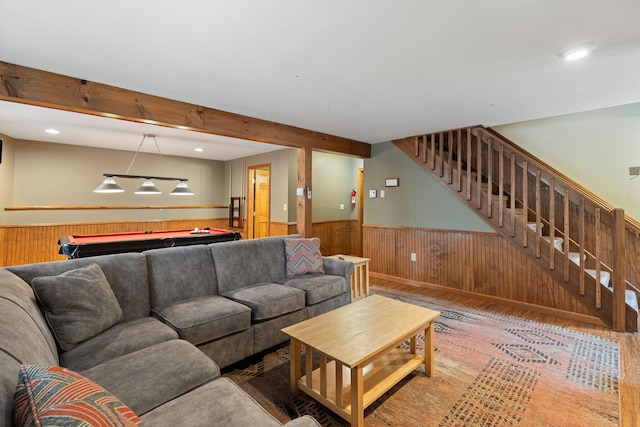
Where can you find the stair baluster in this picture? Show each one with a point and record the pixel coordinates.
(552, 223)
(538, 212)
(469, 165)
(525, 204)
(598, 263)
(581, 243)
(513, 194)
(619, 282)
(567, 235)
(479, 172)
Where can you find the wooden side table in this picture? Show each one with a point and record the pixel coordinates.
(360, 276)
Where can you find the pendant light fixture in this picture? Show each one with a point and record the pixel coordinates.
(148, 187)
(182, 189)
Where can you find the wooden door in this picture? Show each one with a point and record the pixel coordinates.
(259, 201)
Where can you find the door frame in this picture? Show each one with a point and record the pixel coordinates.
(251, 174)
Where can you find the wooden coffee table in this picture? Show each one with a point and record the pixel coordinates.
(360, 353)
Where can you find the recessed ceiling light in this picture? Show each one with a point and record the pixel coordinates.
(52, 131)
(199, 150)
(577, 51)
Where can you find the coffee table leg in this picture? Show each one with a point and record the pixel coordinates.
(295, 364)
(429, 357)
(357, 402)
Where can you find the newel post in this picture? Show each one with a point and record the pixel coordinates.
(619, 276)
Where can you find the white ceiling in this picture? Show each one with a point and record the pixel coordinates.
(369, 70)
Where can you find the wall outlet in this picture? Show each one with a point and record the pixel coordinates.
(341, 206)
(634, 170)
(413, 257)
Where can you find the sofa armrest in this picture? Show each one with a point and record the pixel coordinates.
(303, 421)
(338, 267)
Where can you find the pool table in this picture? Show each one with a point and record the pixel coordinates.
(86, 245)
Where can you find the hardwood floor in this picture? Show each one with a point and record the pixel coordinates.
(629, 342)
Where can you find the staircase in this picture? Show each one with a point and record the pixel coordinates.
(575, 237)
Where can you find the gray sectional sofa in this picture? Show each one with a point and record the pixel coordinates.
(167, 321)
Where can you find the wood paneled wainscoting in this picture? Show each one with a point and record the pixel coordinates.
(467, 262)
(336, 236)
(25, 244)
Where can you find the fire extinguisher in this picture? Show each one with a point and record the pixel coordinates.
(353, 196)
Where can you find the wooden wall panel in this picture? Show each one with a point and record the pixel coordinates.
(483, 263)
(280, 229)
(24, 244)
(335, 236)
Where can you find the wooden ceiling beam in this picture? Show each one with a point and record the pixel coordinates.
(45, 89)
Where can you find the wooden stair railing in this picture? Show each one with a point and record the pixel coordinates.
(578, 239)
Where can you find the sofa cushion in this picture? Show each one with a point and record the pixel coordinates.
(303, 256)
(120, 339)
(153, 376)
(24, 338)
(78, 304)
(24, 330)
(180, 273)
(244, 263)
(268, 300)
(233, 407)
(319, 287)
(57, 396)
(204, 319)
(126, 274)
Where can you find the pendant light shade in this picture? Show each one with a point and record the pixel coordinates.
(182, 189)
(109, 186)
(148, 187)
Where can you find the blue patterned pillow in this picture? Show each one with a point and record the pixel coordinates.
(58, 397)
(303, 256)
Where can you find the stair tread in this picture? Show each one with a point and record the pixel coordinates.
(557, 242)
(631, 299)
(575, 257)
(605, 276)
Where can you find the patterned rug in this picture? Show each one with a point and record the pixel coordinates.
(490, 370)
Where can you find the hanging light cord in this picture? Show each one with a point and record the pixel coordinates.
(144, 136)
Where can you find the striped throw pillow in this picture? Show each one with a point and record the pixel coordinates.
(57, 396)
(303, 256)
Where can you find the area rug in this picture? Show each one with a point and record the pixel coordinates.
(490, 370)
